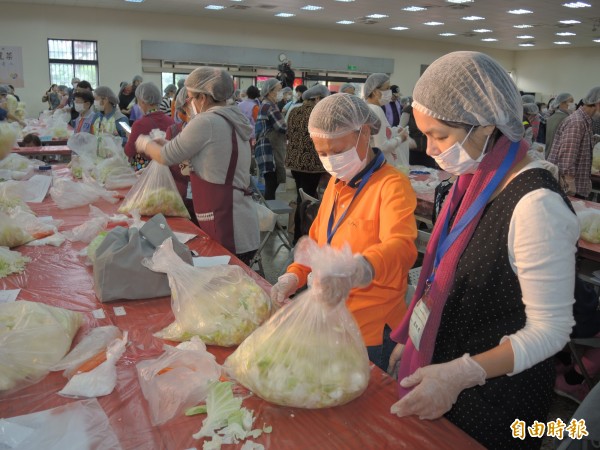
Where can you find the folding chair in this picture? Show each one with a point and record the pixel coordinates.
(277, 207)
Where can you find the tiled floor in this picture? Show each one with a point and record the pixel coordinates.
(276, 258)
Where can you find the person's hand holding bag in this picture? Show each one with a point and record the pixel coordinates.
(142, 142)
(436, 387)
(287, 284)
(335, 288)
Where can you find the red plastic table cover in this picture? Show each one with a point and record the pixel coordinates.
(59, 277)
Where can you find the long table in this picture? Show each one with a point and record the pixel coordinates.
(58, 277)
(44, 150)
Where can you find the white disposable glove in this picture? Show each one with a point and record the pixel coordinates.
(142, 142)
(436, 387)
(286, 285)
(335, 289)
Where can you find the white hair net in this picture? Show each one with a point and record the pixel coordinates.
(138, 78)
(318, 90)
(148, 93)
(592, 97)
(530, 109)
(375, 81)
(105, 91)
(181, 98)
(286, 89)
(3, 89)
(527, 98)
(180, 83)
(562, 98)
(340, 114)
(268, 86)
(212, 81)
(345, 86)
(170, 88)
(470, 88)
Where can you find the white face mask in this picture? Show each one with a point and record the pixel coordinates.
(194, 109)
(98, 105)
(571, 107)
(279, 96)
(344, 166)
(457, 161)
(386, 97)
(79, 107)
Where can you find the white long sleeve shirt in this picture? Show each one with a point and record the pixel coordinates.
(542, 241)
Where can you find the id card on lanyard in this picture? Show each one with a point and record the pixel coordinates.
(422, 310)
(331, 228)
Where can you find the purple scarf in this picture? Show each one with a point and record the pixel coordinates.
(471, 186)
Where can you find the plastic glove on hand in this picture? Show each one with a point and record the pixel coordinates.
(394, 362)
(334, 289)
(142, 142)
(286, 285)
(436, 387)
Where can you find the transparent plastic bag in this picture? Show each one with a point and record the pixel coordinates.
(110, 146)
(100, 380)
(8, 139)
(21, 226)
(221, 304)
(589, 223)
(308, 355)
(33, 337)
(70, 194)
(89, 229)
(178, 379)
(108, 166)
(123, 177)
(155, 192)
(93, 343)
(11, 262)
(16, 162)
(79, 425)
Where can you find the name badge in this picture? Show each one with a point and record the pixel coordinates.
(418, 319)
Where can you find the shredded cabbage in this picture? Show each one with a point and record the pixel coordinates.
(91, 249)
(589, 222)
(11, 262)
(8, 139)
(227, 421)
(165, 201)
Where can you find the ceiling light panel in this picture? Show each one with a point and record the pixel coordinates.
(562, 43)
(399, 28)
(576, 5)
(414, 9)
(459, 1)
(489, 40)
(214, 7)
(134, 1)
(377, 16)
(523, 26)
(311, 8)
(520, 11)
(569, 22)
(345, 22)
(473, 18)
(447, 34)
(566, 33)
(482, 30)
(527, 45)
(525, 36)
(433, 24)
(596, 40)
(284, 15)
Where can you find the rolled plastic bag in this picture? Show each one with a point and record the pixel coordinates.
(222, 305)
(77, 425)
(308, 355)
(155, 192)
(33, 338)
(93, 343)
(99, 380)
(178, 379)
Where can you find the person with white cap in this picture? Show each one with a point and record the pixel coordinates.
(301, 157)
(389, 140)
(369, 205)
(572, 146)
(216, 142)
(148, 99)
(562, 106)
(269, 130)
(531, 112)
(494, 299)
(347, 88)
(165, 103)
(109, 116)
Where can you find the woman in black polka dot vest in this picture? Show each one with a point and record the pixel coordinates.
(494, 302)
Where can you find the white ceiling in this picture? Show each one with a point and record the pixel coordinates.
(545, 18)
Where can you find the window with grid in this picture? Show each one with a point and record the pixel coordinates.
(69, 58)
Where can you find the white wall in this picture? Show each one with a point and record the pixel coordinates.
(119, 35)
(551, 72)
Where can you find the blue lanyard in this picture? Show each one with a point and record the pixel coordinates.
(331, 230)
(446, 240)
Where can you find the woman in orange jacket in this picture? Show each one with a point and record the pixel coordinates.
(369, 205)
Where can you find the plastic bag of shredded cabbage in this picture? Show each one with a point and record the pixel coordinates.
(70, 194)
(308, 355)
(155, 192)
(222, 305)
(589, 223)
(11, 262)
(8, 139)
(33, 337)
